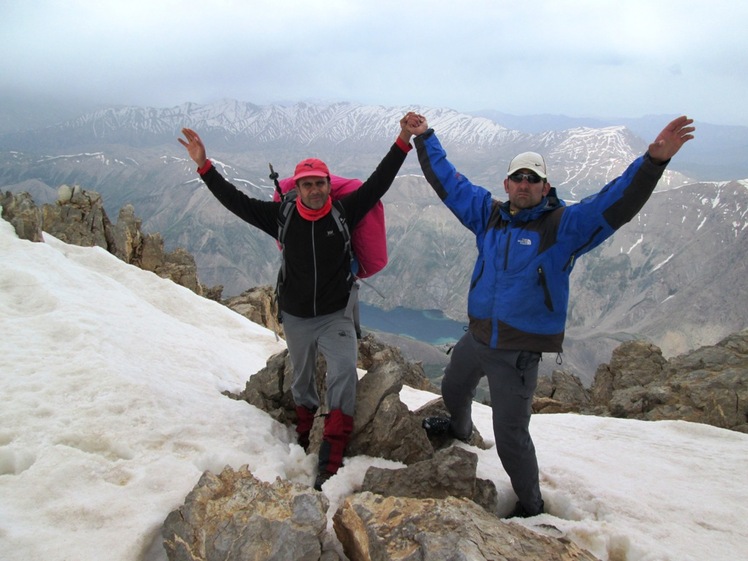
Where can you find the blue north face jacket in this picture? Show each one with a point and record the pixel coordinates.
(519, 290)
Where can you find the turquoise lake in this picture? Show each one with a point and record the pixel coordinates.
(428, 326)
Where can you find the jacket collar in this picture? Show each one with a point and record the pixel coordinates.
(548, 203)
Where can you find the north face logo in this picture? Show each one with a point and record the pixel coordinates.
(524, 241)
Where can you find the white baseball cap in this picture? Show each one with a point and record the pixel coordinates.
(528, 160)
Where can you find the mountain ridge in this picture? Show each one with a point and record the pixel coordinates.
(130, 155)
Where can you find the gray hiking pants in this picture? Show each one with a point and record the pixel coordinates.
(512, 379)
(335, 337)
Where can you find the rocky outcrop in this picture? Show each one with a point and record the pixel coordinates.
(708, 385)
(23, 214)
(256, 304)
(451, 472)
(79, 218)
(234, 517)
(560, 393)
(373, 527)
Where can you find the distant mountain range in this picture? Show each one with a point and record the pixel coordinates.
(676, 274)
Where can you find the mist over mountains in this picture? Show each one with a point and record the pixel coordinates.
(676, 274)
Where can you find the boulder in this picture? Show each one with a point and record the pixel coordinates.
(450, 473)
(373, 527)
(235, 517)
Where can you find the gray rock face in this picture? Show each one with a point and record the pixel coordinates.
(235, 517)
(256, 304)
(23, 214)
(78, 218)
(373, 527)
(450, 473)
(708, 385)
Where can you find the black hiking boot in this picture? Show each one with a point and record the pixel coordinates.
(441, 428)
(322, 478)
(437, 426)
(520, 511)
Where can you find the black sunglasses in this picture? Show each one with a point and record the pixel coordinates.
(531, 177)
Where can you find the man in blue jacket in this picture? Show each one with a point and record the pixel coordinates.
(519, 291)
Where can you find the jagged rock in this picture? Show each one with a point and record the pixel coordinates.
(235, 517)
(214, 293)
(392, 433)
(560, 393)
(373, 351)
(270, 388)
(151, 254)
(450, 473)
(78, 218)
(547, 405)
(373, 527)
(633, 364)
(126, 235)
(23, 214)
(256, 304)
(708, 385)
(180, 267)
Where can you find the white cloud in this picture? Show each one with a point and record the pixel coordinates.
(602, 58)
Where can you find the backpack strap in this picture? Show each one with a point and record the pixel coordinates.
(288, 205)
(338, 214)
(352, 308)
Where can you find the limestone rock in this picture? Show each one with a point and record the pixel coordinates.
(450, 473)
(23, 214)
(79, 218)
(256, 304)
(126, 235)
(235, 517)
(560, 393)
(373, 350)
(373, 527)
(708, 385)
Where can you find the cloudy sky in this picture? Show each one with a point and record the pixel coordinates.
(592, 58)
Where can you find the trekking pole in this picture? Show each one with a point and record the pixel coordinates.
(274, 176)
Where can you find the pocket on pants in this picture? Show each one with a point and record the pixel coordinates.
(527, 369)
(527, 359)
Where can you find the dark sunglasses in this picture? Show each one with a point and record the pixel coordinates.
(531, 177)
